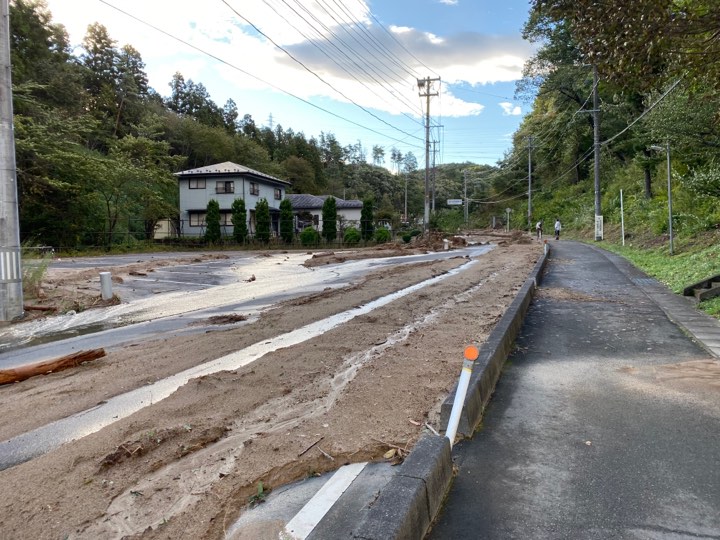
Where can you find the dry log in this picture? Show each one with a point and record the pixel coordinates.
(48, 366)
(27, 307)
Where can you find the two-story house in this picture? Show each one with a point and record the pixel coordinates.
(226, 182)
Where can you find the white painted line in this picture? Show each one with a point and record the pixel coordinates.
(299, 527)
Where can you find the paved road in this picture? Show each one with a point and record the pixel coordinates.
(586, 437)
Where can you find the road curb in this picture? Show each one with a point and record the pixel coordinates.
(493, 353)
(409, 502)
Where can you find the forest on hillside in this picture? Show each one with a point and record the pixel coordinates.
(658, 64)
(96, 146)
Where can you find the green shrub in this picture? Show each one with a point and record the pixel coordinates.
(351, 236)
(382, 236)
(407, 237)
(309, 237)
(262, 220)
(286, 221)
(212, 222)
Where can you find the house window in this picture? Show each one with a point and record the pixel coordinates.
(225, 187)
(278, 194)
(197, 219)
(197, 183)
(226, 218)
(254, 188)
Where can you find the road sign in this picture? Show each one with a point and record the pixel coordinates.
(454, 202)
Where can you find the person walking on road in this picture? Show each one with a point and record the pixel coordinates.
(538, 229)
(558, 228)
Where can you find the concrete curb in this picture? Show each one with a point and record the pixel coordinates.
(493, 354)
(407, 505)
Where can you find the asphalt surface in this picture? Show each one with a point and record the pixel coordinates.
(583, 438)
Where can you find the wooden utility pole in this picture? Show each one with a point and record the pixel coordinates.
(11, 294)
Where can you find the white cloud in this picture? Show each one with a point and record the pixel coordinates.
(469, 57)
(449, 2)
(509, 109)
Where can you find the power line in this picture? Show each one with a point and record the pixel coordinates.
(313, 73)
(259, 79)
(396, 40)
(352, 62)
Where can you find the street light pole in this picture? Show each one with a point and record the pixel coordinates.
(669, 187)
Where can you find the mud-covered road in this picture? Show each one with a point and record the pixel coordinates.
(187, 465)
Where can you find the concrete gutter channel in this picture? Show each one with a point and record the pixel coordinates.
(407, 505)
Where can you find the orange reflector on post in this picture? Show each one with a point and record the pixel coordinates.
(471, 353)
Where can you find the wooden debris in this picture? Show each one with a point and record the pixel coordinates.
(309, 447)
(27, 307)
(324, 453)
(49, 366)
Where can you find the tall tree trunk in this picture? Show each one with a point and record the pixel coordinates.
(648, 182)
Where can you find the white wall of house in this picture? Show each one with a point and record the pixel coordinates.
(350, 217)
(196, 193)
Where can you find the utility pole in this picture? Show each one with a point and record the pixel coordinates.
(425, 90)
(405, 216)
(529, 211)
(465, 198)
(11, 295)
(596, 139)
(432, 189)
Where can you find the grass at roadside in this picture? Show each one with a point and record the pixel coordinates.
(693, 261)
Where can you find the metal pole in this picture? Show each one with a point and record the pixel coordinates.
(465, 195)
(622, 218)
(596, 138)
(11, 294)
(529, 212)
(432, 187)
(406, 216)
(669, 188)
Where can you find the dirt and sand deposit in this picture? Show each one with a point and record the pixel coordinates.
(187, 466)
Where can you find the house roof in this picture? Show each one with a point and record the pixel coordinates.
(304, 201)
(228, 168)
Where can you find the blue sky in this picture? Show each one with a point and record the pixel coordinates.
(361, 60)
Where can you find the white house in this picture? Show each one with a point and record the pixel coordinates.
(226, 182)
(308, 211)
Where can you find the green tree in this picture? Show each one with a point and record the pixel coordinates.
(367, 227)
(212, 222)
(262, 220)
(286, 221)
(329, 217)
(644, 41)
(239, 221)
(301, 174)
